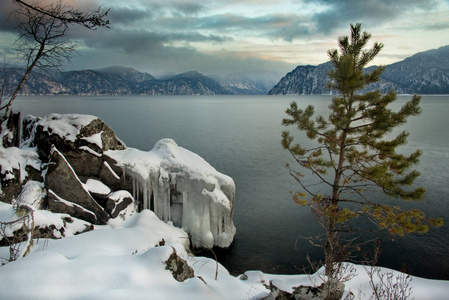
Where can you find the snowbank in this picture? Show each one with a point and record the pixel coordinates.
(123, 260)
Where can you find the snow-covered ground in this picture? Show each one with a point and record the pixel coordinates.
(121, 261)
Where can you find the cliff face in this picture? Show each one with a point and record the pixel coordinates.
(423, 73)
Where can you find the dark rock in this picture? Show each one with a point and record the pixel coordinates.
(28, 123)
(118, 202)
(65, 185)
(57, 204)
(13, 125)
(112, 176)
(10, 187)
(108, 138)
(179, 267)
(85, 164)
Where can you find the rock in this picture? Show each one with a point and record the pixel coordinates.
(13, 125)
(17, 166)
(109, 140)
(56, 204)
(10, 185)
(117, 202)
(32, 195)
(67, 194)
(51, 228)
(306, 292)
(278, 294)
(178, 185)
(179, 267)
(112, 175)
(81, 138)
(243, 277)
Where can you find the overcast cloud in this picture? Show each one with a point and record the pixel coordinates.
(221, 36)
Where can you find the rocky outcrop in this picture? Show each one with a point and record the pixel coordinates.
(89, 174)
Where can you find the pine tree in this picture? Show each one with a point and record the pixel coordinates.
(354, 154)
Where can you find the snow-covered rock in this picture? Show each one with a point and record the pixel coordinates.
(90, 174)
(181, 187)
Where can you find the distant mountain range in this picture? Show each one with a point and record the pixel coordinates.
(423, 73)
(118, 80)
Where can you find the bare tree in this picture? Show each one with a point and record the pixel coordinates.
(42, 41)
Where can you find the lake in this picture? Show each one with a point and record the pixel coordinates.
(240, 136)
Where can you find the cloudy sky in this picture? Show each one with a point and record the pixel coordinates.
(225, 36)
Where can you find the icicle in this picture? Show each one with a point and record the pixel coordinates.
(145, 195)
(134, 190)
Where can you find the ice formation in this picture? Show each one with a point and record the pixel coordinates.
(181, 187)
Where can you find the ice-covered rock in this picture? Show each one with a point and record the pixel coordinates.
(90, 174)
(180, 186)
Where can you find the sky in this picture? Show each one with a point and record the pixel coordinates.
(228, 36)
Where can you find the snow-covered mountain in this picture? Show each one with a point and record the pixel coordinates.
(37, 83)
(247, 84)
(119, 80)
(423, 73)
(304, 80)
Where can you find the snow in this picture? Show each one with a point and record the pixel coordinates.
(95, 139)
(182, 187)
(110, 169)
(13, 158)
(124, 260)
(42, 219)
(118, 197)
(97, 187)
(67, 126)
(91, 151)
(32, 194)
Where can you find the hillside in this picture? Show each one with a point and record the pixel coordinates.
(119, 80)
(423, 73)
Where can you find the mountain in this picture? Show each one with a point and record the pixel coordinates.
(95, 82)
(189, 83)
(247, 84)
(114, 80)
(37, 83)
(304, 80)
(423, 73)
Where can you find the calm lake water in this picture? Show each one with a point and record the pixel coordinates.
(240, 136)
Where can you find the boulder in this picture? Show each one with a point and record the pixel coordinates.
(81, 138)
(66, 193)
